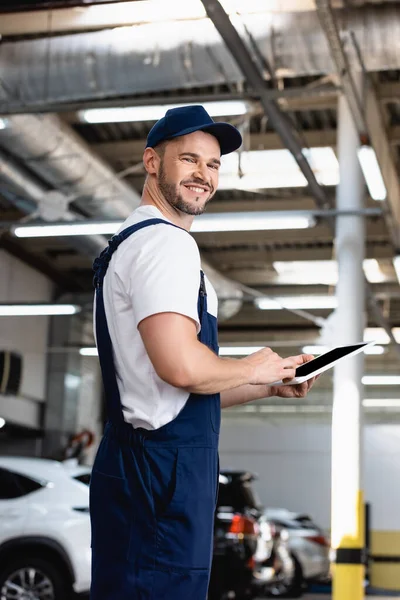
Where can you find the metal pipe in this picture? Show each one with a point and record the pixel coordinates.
(61, 158)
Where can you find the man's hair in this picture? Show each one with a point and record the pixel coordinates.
(160, 148)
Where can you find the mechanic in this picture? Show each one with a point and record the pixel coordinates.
(155, 478)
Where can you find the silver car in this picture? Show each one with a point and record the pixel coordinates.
(308, 545)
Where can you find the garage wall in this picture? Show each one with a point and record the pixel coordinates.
(89, 408)
(26, 335)
(293, 461)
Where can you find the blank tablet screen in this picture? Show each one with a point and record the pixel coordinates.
(325, 359)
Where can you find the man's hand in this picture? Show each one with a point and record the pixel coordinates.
(295, 391)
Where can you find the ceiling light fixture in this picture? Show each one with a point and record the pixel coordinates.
(238, 350)
(69, 229)
(381, 380)
(251, 221)
(396, 264)
(297, 302)
(2, 422)
(227, 108)
(381, 403)
(88, 351)
(372, 173)
(374, 350)
(305, 272)
(212, 222)
(20, 310)
(315, 350)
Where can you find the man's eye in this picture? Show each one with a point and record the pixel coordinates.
(189, 159)
(213, 166)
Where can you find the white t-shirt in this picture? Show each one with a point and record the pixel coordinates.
(155, 270)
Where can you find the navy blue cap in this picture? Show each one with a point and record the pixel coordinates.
(187, 119)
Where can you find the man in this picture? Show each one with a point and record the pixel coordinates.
(155, 477)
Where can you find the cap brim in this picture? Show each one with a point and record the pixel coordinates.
(228, 136)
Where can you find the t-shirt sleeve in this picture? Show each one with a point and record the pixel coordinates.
(163, 269)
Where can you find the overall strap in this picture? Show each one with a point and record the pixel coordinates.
(202, 301)
(103, 338)
(101, 263)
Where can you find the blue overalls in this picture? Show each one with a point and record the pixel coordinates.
(153, 492)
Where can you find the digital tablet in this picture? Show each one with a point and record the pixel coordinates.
(324, 362)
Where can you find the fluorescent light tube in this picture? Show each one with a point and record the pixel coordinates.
(373, 271)
(381, 403)
(226, 108)
(238, 350)
(297, 302)
(68, 229)
(316, 350)
(372, 173)
(295, 409)
(88, 351)
(266, 180)
(374, 350)
(19, 310)
(322, 271)
(240, 221)
(396, 264)
(381, 380)
(250, 221)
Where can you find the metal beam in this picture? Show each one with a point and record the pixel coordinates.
(366, 115)
(91, 18)
(131, 151)
(368, 122)
(289, 99)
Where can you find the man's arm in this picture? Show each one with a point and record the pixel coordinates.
(244, 394)
(181, 360)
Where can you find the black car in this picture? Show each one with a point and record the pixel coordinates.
(247, 549)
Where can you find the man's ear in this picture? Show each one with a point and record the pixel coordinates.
(151, 161)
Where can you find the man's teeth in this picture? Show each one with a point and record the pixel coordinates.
(196, 189)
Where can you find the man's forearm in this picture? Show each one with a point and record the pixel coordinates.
(244, 394)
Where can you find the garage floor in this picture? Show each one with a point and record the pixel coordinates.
(327, 597)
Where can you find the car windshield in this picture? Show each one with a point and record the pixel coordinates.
(238, 495)
(83, 478)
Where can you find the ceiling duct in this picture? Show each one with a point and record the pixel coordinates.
(230, 294)
(53, 151)
(27, 196)
(140, 59)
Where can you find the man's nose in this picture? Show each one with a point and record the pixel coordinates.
(202, 173)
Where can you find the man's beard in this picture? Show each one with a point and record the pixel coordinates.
(175, 199)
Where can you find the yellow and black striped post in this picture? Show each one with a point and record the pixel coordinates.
(349, 565)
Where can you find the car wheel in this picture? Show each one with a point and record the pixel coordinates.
(294, 589)
(33, 578)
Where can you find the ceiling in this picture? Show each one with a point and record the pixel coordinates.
(310, 103)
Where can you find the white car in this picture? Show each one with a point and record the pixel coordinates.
(44, 529)
(307, 543)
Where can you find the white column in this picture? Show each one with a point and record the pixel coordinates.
(347, 499)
